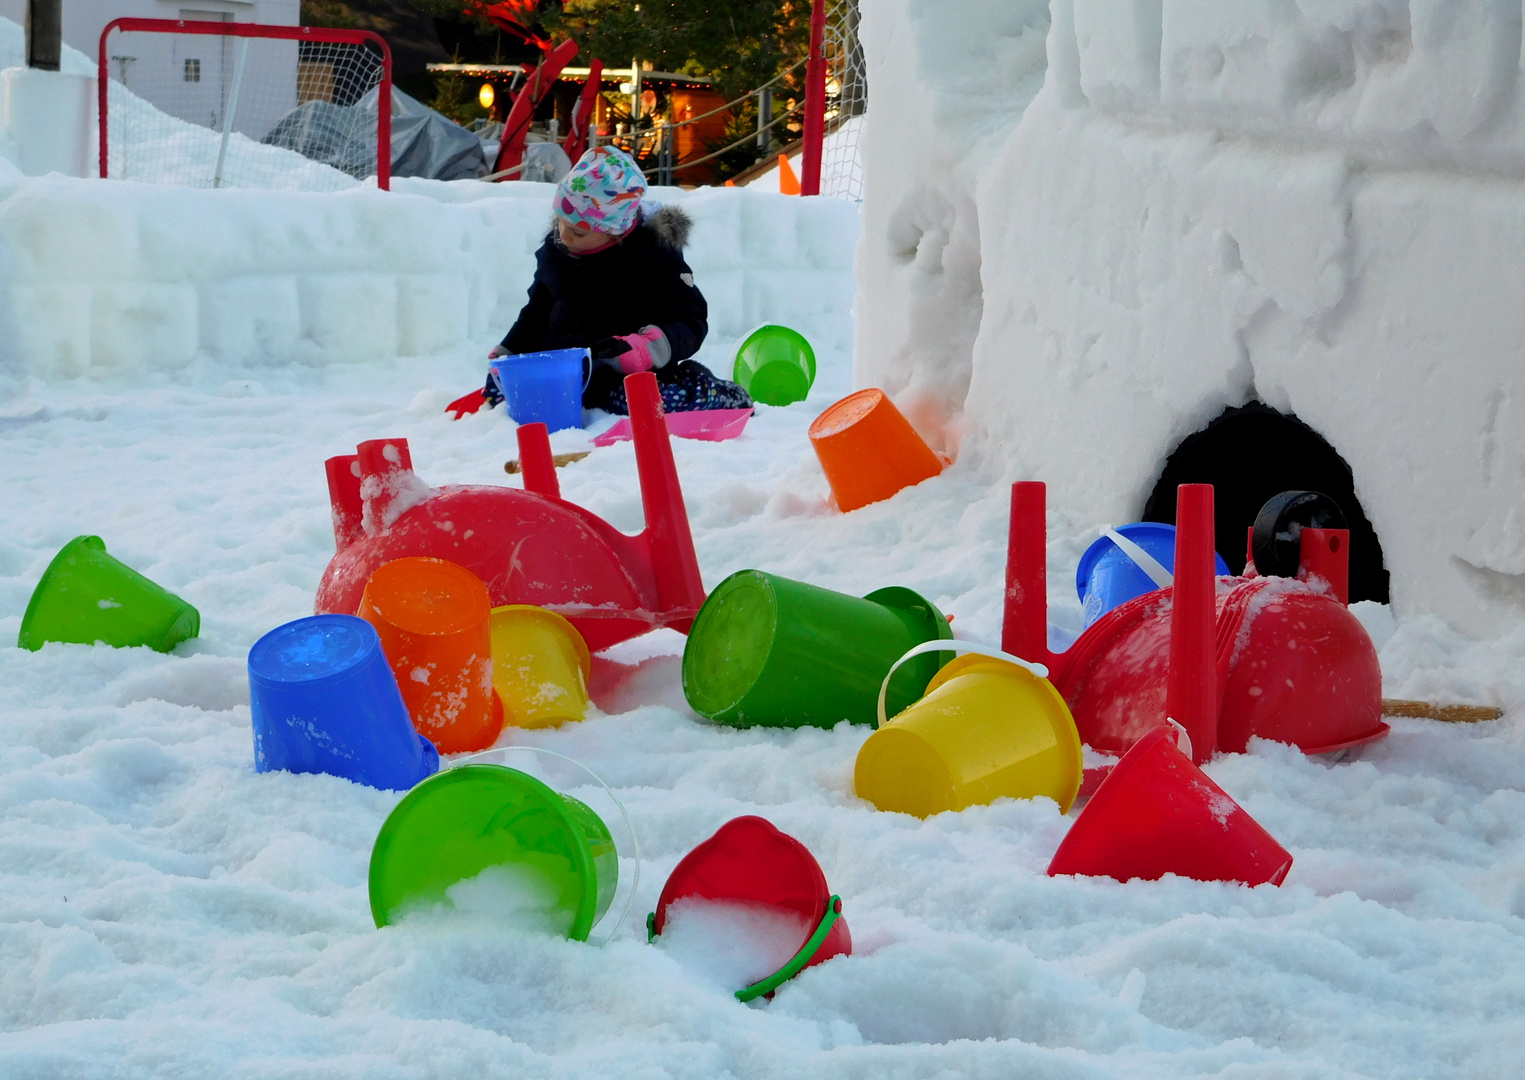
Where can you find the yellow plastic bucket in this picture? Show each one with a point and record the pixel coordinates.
(984, 729)
(540, 666)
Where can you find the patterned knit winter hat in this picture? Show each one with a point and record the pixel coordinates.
(603, 191)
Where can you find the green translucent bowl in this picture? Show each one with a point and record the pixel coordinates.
(776, 365)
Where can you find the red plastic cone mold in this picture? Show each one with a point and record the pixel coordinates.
(1158, 814)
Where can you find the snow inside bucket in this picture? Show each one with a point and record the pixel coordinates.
(524, 837)
(730, 943)
(516, 895)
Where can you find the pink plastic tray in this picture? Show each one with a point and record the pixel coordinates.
(711, 425)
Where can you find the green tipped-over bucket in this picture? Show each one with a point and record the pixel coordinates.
(776, 365)
(765, 650)
(494, 841)
(86, 596)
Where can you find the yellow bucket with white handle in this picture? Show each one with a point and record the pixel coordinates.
(989, 725)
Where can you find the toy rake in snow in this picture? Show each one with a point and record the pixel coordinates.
(529, 546)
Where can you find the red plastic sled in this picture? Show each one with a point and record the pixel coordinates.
(708, 425)
(528, 546)
(1278, 658)
(750, 860)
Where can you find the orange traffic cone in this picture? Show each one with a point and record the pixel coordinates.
(788, 182)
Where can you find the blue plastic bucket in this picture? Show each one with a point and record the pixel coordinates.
(1107, 577)
(324, 700)
(544, 387)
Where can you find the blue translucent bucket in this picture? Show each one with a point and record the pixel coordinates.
(544, 387)
(324, 700)
(1108, 577)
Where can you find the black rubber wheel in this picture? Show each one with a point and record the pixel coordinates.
(1277, 542)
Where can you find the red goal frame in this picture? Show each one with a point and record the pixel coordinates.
(260, 30)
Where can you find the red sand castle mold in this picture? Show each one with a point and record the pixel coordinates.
(528, 546)
(1278, 658)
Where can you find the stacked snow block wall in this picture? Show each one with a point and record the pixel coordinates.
(100, 278)
(1125, 217)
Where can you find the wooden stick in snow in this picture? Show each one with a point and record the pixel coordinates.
(1450, 714)
(512, 467)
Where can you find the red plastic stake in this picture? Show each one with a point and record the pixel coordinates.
(674, 563)
(344, 499)
(1325, 554)
(535, 461)
(1249, 554)
(381, 460)
(1191, 694)
(815, 104)
(583, 117)
(538, 81)
(1024, 624)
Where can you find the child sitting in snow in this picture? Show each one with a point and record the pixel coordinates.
(611, 277)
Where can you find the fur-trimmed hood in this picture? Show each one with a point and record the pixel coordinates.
(671, 225)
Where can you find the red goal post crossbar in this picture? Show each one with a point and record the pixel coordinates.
(259, 30)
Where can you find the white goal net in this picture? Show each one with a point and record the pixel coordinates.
(225, 104)
(846, 102)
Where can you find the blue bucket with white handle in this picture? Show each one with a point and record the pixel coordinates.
(1113, 571)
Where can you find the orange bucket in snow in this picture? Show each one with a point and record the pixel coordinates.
(433, 620)
(869, 451)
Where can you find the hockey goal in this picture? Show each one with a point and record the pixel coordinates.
(230, 104)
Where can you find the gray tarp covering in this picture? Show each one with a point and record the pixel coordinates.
(424, 143)
(545, 162)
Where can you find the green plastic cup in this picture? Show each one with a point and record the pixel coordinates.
(768, 651)
(496, 841)
(776, 365)
(86, 596)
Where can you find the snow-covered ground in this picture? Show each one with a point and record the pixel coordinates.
(164, 911)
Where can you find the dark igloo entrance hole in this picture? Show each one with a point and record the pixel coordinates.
(1252, 453)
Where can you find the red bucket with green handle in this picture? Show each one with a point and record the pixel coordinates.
(750, 861)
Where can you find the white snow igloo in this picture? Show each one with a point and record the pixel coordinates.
(1274, 244)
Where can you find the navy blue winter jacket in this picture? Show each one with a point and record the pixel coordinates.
(576, 300)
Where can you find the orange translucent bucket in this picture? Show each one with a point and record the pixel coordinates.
(869, 451)
(433, 620)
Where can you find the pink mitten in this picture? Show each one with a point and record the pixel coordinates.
(648, 349)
